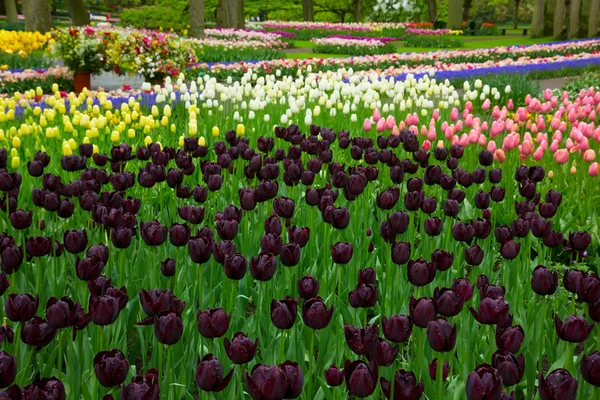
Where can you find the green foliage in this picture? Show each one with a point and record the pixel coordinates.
(222, 54)
(576, 84)
(438, 42)
(12, 26)
(31, 61)
(521, 86)
(353, 50)
(156, 17)
(21, 86)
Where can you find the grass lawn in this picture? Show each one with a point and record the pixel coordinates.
(309, 54)
(303, 44)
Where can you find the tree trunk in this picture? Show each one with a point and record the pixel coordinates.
(308, 10)
(574, 14)
(594, 15)
(358, 10)
(197, 18)
(537, 21)
(11, 11)
(230, 14)
(467, 9)
(432, 10)
(79, 14)
(37, 15)
(455, 14)
(559, 19)
(516, 15)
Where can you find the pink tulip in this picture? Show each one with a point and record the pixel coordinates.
(547, 94)
(423, 130)
(510, 104)
(554, 146)
(436, 114)
(469, 120)
(454, 114)
(491, 146)
(569, 143)
(464, 140)
(401, 125)
(426, 145)
(572, 116)
(562, 126)
(486, 105)
(592, 115)
(593, 169)
(415, 119)
(509, 124)
(380, 125)
(458, 126)
(449, 132)
(554, 101)
(584, 144)
(484, 126)
(482, 140)
(473, 137)
(521, 114)
(526, 148)
(376, 115)
(561, 156)
(431, 134)
(503, 113)
(538, 154)
(414, 130)
(589, 155)
(527, 99)
(390, 122)
(496, 112)
(367, 124)
(395, 131)
(499, 155)
(444, 126)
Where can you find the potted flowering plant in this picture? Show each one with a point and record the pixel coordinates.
(83, 50)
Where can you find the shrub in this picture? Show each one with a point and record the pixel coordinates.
(438, 42)
(155, 17)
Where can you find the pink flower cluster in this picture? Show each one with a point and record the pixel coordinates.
(427, 32)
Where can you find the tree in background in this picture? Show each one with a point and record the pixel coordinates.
(11, 10)
(197, 18)
(230, 14)
(78, 12)
(559, 19)
(37, 15)
(516, 15)
(308, 10)
(574, 14)
(537, 22)
(455, 14)
(594, 16)
(432, 10)
(467, 10)
(358, 10)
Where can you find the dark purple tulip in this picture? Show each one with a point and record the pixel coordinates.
(213, 322)
(284, 207)
(491, 311)
(433, 226)
(200, 194)
(510, 338)
(179, 234)
(209, 374)
(573, 280)
(400, 252)
(167, 267)
(21, 307)
(263, 267)
(223, 249)
(111, 368)
(105, 310)
(63, 313)
(544, 281)
(227, 229)
(463, 287)
(589, 290)
(593, 311)
(447, 302)
(441, 335)
(46, 389)
(341, 252)
(497, 194)
(484, 383)
(158, 301)
(121, 237)
(474, 255)
(590, 368)
(433, 370)
(98, 250)
(334, 376)
(290, 254)
(422, 311)
(20, 219)
(364, 296)
(574, 329)
(383, 353)
(442, 259)
(153, 233)
(235, 266)
(361, 340)
(361, 378)
(88, 268)
(283, 312)
(315, 313)
(481, 228)
(5, 283)
(547, 210)
(37, 332)
(558, 385)
(580, 240)
(168, 327)
(192, 214)
(266, 382)
(273, 225)
(308, 287)
(199, 249)
(7, 333)
(241, 349)
(399, 221)
(397, 328)
(12, 258)
(294, 378)
(405, 386)
(451, 208)
(38, 246)
(503, 233)
(413, 201)
(462, 232)
(387, 199)
(510, 250)
(420, 272)
(8, 369)
(509, 367)
(520, 227)
(142, 387)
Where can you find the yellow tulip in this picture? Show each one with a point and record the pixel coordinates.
(173, 128)
(240, 130)
(202, 141)
(15, 162)
(215, 131)
(131, 133)
(167, 111)
(72, 144)
(16, 142)
(115, 136)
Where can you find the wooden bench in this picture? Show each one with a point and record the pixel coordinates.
(503, 33)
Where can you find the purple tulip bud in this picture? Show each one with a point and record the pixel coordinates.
(574, 329)
(315, 313)
(308, 287)
(241, 349)
(405, 386)
(484, 383)
(283, 312)
(266, 381)
(558, 385)
(509, 367)
(334, 376)
(441, 335)
(543, 281)
(361, 378)
(111, 368)
(433, 370)
(209, 374)
(8, 369)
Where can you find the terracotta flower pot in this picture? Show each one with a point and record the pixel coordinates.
(82, 80)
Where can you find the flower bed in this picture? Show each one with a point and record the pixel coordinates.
(17, 49)
(437, 42)
(311, 30)
(351, 46)
(23, 80)
(431, 32)
(255, 237)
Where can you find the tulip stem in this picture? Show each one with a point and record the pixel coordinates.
(569, 365)
(168, 373)
(200, 280)
(492, 341)
(440, 376)
(311, 361)
(240, 390)
(258, 303)
(282, 346)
